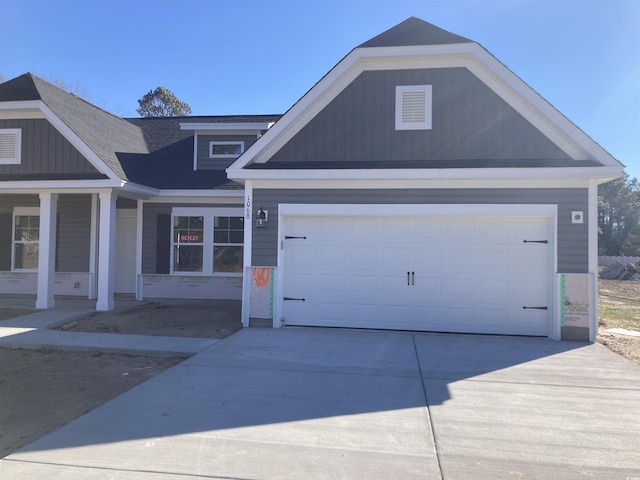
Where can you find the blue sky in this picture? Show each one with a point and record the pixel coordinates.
(240, 57)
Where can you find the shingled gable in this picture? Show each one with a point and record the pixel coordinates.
(102, 133)
(416, 44)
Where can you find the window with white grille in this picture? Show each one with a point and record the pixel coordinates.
(10, 142)
(413, 107)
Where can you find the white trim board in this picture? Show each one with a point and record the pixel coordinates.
(466, 210)
(600, 173)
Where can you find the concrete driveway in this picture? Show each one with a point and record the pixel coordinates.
(332, 404)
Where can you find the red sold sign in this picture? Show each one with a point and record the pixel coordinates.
(189, 238)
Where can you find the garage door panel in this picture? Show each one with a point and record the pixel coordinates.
(492, 257)
(392, 259)
(493, 230)
(458, 230)
(363, 257)
(493, 291)
(466, 274)
(425, 231)
(455, 257)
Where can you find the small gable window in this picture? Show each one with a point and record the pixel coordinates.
(10, 143)
(225, 149)
(413, 107)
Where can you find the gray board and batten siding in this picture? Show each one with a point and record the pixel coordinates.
(45, 151)
(206, 163)
(572, 238)
(73, 230)
(470, 121)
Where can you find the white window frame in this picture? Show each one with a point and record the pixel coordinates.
(22, 212)
(5, 142)
(208, 215)
(424, 123)
(232, 155)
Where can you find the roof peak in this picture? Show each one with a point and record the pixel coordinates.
(22, 88)
(414, 31)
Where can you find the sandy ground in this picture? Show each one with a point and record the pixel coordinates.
(42, 390)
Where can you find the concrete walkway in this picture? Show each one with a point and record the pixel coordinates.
(341, 404)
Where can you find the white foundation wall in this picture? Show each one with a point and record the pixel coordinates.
(25, 283)
(191, 287)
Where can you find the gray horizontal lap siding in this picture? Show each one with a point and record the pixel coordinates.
(73, 230)
(572, 238)
(206, 163)
(74, 233)
(469, 122)
(45, 150)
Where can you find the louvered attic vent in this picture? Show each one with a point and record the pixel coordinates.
(10, 141)
(413, 107)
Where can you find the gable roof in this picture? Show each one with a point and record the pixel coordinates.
(103, 133)
(416, 44)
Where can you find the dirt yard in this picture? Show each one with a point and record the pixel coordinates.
(41, 391)
(200, 319)
(619, 307)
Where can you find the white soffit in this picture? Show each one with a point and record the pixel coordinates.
(472, 56)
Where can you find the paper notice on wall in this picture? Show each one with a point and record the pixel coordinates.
(575, 306)
(262, 281)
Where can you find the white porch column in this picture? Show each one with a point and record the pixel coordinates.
(47, 250)
(106, 251)
(93, 249)
(248, 241)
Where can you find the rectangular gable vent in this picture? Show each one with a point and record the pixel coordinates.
(10, 142)
(413, 107)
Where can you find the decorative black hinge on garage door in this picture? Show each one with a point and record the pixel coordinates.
(534, 308)
(296, 299)
(535, 241)
(288, 237)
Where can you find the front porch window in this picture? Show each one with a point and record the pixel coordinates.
(228, 237)
(188, 244)
(207, 241)
(26, 239)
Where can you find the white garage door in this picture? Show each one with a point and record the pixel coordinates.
(449, 274)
